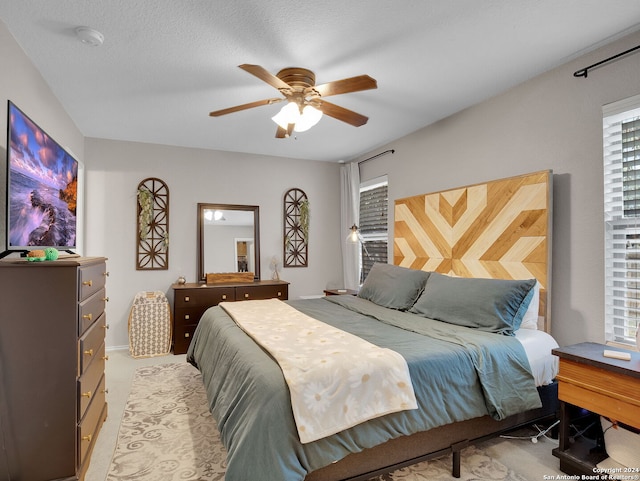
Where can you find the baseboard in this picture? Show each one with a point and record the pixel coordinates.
(117, 348)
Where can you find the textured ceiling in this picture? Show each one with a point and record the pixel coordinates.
(165, 64)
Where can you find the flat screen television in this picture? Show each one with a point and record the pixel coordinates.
(42, 188)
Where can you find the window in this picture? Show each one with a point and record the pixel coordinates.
(621, 135)
(374, 200)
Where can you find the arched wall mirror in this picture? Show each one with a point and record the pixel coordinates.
(228, 239)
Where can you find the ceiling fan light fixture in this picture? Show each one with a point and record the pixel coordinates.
(299, 89)
(289, 114)
(310, 117)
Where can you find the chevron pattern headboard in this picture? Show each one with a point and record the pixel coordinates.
(500, 229)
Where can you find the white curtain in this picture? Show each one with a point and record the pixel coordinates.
(349, 215)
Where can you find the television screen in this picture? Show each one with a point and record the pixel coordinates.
(42, 187)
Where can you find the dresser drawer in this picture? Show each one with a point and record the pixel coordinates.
(89, 426)
(246, 293)
(188, 315)
(203, 296)
(599, 390)
(90, 310)
(182, 336)
(89, 344)
(91, 280)
(88, 382)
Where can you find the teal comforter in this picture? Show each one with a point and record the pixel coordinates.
(457, 373)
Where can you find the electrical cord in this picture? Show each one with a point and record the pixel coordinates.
(580, 433)
(534, 439)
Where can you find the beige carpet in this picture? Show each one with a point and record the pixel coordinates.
(167, 434)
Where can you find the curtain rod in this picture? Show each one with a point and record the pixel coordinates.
(392, 151)
(585, 71)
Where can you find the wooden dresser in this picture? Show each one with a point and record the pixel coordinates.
(191, 300)
(52, 360)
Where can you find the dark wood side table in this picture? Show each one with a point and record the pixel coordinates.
(605, 386)
(340, 292)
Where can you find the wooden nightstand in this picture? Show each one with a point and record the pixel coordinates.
(340, 292)
(602, 385)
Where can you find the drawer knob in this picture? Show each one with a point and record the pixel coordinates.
(246, 296)
(105, 299)
(186, 316)
(224, 296)
(186, 334)
(105, 391)
(186, 298)
(88, 437)
(105, 358)
(106, 274)
(88, 283)
(86, 394)
(279, 294)
(88, 317)
(105, 327)
(89, 352)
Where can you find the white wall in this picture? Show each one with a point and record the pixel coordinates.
(553, 121)
(114, 170)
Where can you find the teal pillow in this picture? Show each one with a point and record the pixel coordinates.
(392, 286)
(492, 305)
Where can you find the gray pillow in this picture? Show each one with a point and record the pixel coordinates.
(392, 286)
(492, 305)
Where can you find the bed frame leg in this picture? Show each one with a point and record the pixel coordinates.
(455, 449)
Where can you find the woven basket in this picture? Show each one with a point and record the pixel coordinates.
(150, 325)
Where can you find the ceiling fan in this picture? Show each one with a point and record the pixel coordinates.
(305, 99)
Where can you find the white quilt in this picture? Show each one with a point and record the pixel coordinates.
(336, 380)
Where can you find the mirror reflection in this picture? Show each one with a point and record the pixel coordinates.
(228, 239)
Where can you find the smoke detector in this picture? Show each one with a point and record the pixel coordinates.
(89, 36)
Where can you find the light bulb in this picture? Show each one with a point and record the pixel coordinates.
(289, 114)
(310, 117)
(353, 235)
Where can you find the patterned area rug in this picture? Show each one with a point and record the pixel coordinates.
(168, 434)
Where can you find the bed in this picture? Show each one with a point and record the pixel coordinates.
(475, 347)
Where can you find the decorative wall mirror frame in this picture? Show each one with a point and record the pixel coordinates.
(233, 222)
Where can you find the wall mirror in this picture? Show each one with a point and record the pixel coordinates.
(228, 239)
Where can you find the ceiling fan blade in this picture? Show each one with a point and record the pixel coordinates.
(340, 113)
(237, 108)
(284, 133)
(353, 84)
(265, 76)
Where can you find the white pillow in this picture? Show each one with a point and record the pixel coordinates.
(530, 319)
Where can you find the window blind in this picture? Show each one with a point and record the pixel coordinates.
(373, 227)
(621, 148)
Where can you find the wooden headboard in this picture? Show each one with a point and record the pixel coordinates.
(499, 229)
